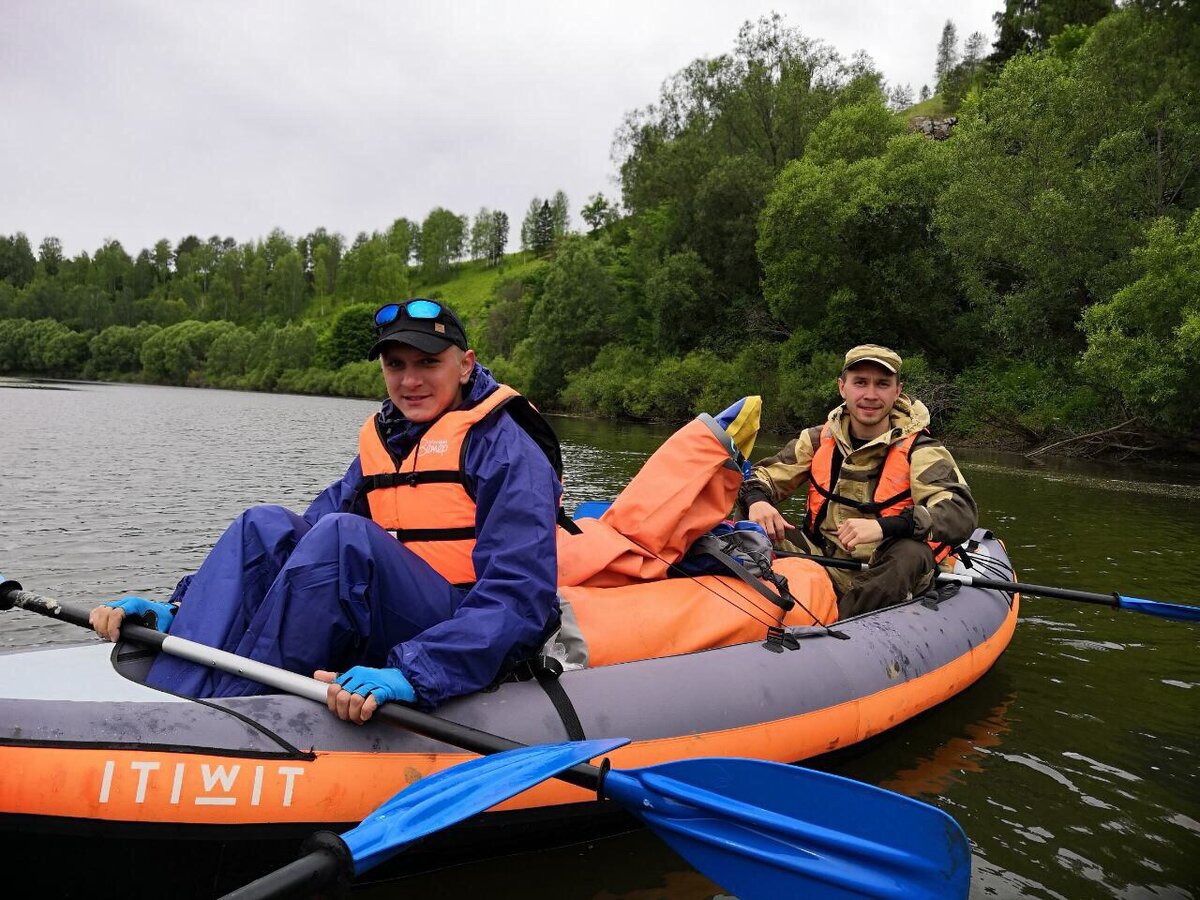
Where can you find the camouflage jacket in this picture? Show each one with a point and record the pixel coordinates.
(943, 508)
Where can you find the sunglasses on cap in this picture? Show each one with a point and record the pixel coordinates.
(414, 309)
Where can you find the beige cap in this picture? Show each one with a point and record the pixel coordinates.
(873, 353)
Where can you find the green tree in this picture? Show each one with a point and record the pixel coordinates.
(112, 269)
(1145, 341)
(697, 165)
(681, 299)
(849, 254)
(507, 319)
(349, 337)
(61, 351)
(142, 280)
(44, 298)
(286, 293)
(529, 223)
(91, 308)
(727, 204)
(117, 349)
(1059, 169)
(325, 251)
(560, 215)
(443, 239)
(162, 260)
(1029, 24)
(900, 97)
(176, 354)
(973, 52)
(17, 263)
(853, 132)
(499, 238)
(50, 255)
(13, 340)
(231, 355)
(573, 316)
(182, 256)
(762, 99)
(482, 229)
(294, 346)
(42, 346)
(277, 245)
(947, 54)
(372, 272)
(543, 230)
(598, 212)
(403, 238)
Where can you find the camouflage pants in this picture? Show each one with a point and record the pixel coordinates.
(899, 569)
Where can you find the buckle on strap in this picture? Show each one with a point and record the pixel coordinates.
(779, 640)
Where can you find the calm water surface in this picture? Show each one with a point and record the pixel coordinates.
(1072, 765)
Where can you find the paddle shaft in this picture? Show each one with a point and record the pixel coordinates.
(1117, 601)
(424, 724)
(305, 876)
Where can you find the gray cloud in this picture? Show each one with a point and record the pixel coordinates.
(137, 120)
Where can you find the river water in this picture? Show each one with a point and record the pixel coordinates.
(1072, 765)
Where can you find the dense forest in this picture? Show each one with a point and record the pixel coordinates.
(1039, 267)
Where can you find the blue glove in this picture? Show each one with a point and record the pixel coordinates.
(149, 612)
(383, 684)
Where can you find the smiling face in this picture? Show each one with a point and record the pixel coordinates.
(870, 392)
(424, 385)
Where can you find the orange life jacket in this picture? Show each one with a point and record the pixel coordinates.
(424, 498)
(893, 492)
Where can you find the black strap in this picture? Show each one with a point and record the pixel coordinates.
(524, 414)
(546, 670)
(872, 506)
(566, 523)
(405, 535)
(813, 523)
(410, 479)
(783, 599)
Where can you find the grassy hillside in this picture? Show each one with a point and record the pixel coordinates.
(472, 283)
(934, 108)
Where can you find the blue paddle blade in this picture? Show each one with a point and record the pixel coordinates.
(766, 830)
(591, 509)
(1180, 611)
(457, 793)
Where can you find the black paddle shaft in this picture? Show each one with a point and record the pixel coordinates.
(1019, 587)
(325, 870)
(416, 721)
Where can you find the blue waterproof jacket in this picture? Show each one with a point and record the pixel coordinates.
(505, 615)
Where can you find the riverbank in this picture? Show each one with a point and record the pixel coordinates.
(1105, 446)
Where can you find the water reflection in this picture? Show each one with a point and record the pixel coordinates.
(955, 758)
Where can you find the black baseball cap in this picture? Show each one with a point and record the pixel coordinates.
(428, 325)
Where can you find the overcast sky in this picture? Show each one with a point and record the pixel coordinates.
(143, 119)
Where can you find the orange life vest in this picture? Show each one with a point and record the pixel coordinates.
(893, 492)
(424, 498)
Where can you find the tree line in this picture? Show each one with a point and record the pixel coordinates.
(1038, 269)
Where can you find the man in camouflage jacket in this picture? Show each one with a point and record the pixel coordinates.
(877, 435)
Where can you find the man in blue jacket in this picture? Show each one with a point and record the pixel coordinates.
(421, 575)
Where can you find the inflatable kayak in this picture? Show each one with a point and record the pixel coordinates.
(87, 748)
